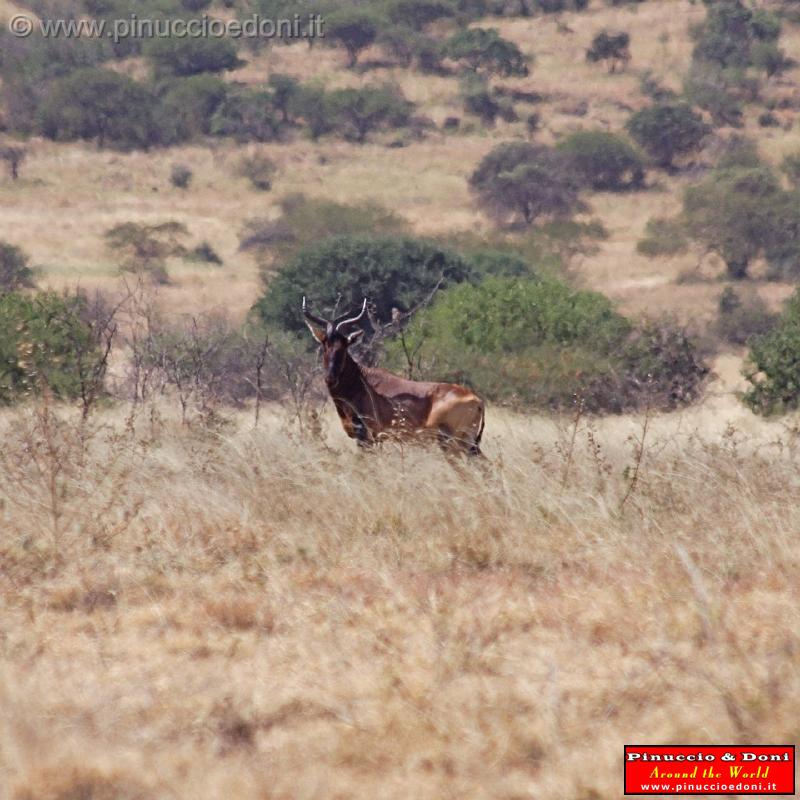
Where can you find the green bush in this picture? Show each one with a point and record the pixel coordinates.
(14, 270)
(667, 130)
(739, 320)
(29, 65)
(180, 176)
(526, 181)
(710, 89)
(355, 29)
(358, 112)
(43, 343)
(246, 115)
(604, 161)
(418, 13)
(544, 344)
(611, 47)
(484, 49)
(306, 221)
(188, 106)
(773, 365)
(731, 31)
(144, 248)
(663, 237)
(312, 104)
(191, 56)
(102, 105)
(259, 169)
(733, 213)
(391, 271)
(791, 168)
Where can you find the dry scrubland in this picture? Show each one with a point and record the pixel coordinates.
(69, 195)
(194, 613)
(248, 614)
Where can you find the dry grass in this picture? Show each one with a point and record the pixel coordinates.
(246, 614)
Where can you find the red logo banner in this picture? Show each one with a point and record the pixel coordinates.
(709, 769)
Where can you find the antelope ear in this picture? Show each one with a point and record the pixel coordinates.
(355, 336)
(317, 334)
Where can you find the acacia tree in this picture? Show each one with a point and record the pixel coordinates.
(667, 130)
(610, 47)
(520, 179)
(732, 214)
(353, 28)
(360, 111)
(484, 49)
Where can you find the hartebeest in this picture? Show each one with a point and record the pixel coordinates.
(374, 404)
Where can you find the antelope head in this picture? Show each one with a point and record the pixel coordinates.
(335, 336)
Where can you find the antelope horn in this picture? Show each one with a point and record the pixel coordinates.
(341, 322)
(322, 323)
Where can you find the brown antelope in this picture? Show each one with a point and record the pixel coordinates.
(374, 404)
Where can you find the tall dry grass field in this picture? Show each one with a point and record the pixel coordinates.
(194, 613)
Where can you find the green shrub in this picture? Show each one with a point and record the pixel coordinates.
(246, 115)
(191, 55)
(663, 237)
(667, 130)
(312, 104)
(791, 168)
(358, 112)
(544, 344)
(188, 106)
(604, 161)
(43, 339)
(731, 32)
(710, 89)
(353, 28)
(391, 271)
(14, 270)
(306, 221)
(611, 47)
(285, 90)
(526, 181)
(769, 57)
(739, 151)
(739, 320)
(484, 49)
(419, 13)
(102, 105)
(733, 213)
(259, 169)
(204, 253)
(145, 248)
(180, 176)
(766, 119)
(773, 364)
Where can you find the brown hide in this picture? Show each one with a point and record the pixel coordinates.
(375, 404)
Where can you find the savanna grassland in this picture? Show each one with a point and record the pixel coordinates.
(246, 615)
(260, 611)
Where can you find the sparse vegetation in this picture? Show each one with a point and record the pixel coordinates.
(196, 563)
